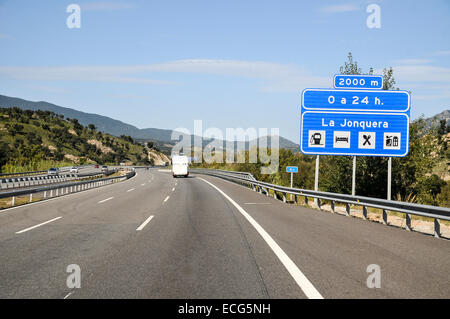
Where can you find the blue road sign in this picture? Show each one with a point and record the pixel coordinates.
(354, 133)
(356, 100)
(291, 169)
(368, 82)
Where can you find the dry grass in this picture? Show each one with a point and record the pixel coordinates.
(19, 200)
(418, 223)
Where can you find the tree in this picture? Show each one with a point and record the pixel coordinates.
(350, 67)
(371, 171)
(442, 127)
(337, 170)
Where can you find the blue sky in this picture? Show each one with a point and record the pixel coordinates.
(232, 64)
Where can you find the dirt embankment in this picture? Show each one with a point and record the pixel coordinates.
(99, 145)
(158, 158)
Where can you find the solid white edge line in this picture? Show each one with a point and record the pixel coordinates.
(145, 223)
(38, 225)
(305, 285)
(173, 189)
(107, 199)
(167, 198)
(67, 296)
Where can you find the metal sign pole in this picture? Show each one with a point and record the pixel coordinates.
(389, 178)
(316, 178)
(292, 180)
(354, 176)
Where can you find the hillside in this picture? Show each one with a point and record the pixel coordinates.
(434, 121)
(33, 140)
(160, 137)
(102, 123)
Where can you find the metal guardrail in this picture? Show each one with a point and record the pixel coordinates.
(64, 189)
(437, 213)
(32, 173)
(28, 181)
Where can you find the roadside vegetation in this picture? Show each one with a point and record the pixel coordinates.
(38, 140)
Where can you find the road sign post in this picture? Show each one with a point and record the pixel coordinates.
(292, 178)
(316, 178)
(389, 179)
(354, 176)
(292, 170)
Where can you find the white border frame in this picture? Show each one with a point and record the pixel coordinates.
(355, 154)
(357, 91)
(356, 76)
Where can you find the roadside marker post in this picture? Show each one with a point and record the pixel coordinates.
(292, 170)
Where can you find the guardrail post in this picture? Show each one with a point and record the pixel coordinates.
(267, 192)
(437, 228)
(51, 193)
(296, 199)
(385, 219)
(408, 222)
(365, 212)
(57, 191)
(284, 197)
(332, 206)
(31, 197)
(45, 194)
(347, 209)
(306, 200)
(13, 200)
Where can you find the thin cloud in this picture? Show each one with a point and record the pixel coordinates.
(106, 6)
(339, 8)
(4, 36)
(46, 88)
(422, 73)
(427, 82)
(275, 77)
(118, 74)
(444, 52)
(412, 61)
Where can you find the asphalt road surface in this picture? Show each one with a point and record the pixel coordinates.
(154, 236)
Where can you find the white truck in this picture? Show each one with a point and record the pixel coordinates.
(180, 166)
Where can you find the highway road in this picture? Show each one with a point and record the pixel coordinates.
(154, 236)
